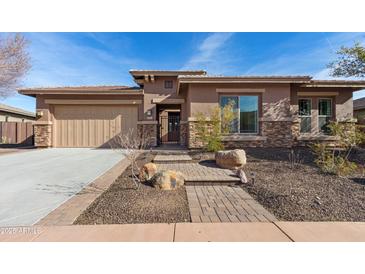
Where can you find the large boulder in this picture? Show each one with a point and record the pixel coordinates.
(167, 179)
(147, 171)
(231, 159)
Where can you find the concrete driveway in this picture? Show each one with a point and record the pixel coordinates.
(34, 183)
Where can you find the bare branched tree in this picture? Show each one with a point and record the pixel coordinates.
(131, 144)
(14, 63)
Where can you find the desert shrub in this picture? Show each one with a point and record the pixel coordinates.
(5, 140)
(335, 160)
(295, 159)
(211, 127)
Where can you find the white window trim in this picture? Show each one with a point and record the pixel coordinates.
(321, 116)
(306, 116)
(239, 116)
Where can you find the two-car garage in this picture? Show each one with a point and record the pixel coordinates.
(91, 125)
(84, 116)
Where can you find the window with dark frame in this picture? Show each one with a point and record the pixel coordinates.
(168, 84)
(246, 108)
(305, 115)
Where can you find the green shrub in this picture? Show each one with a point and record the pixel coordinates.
(210, 127)
(336, 160)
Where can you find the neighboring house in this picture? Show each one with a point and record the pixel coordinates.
(272, 111)
(359, 110)
(12, 114)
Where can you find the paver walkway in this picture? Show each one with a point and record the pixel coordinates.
(197, 172)
(210, 199)
(211, 204)
(161, 158)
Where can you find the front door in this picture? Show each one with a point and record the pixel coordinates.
(170, 128)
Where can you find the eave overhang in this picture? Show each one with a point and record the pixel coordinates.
(80, 91)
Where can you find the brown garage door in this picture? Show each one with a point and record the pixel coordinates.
(91, 125)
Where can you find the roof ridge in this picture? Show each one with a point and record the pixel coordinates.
(7, 108)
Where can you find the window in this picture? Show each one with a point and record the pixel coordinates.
(168, 84)
(246, 110)
(324, 114)
(305, 114)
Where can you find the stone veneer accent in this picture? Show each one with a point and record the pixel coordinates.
(183, 133)
(42, 135)
(150, 131)
(273, 134)
(279, 133)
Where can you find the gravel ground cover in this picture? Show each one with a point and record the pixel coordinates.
(303, 192)
(123, 204)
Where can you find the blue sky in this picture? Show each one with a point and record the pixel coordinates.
(67, 59)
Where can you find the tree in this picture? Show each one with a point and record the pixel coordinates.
(14, 63)
(350, 62)
(131, 144)
(210, 129)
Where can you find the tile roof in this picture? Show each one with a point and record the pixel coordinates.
(10, 109)
(359, 103)
(84, 88)
(248, 76)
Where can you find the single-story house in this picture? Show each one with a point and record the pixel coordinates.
(272, 111)
(359, 110)
(13, 114)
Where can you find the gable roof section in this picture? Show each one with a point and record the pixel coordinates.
(87, 90)
(353, 84)
(14, 110)
(140, 72)
(359, 104)
(242, 79)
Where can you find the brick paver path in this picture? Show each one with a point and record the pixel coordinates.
(210, 204)
(197, 172)
(172, 158)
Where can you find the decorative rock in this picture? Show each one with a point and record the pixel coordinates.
(242, 175)
(167, 179)
(231, 159)
(147, 171)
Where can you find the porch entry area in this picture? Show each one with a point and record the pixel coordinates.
(168, 124)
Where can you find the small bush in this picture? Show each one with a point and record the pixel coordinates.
(336, 160)
(210, 128)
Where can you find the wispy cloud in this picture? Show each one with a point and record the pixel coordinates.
(72, 59)
(292, 57)
(210, 53)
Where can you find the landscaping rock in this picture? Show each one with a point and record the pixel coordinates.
(242, 175)
(147, 171)
(231, 159)
(167, 179)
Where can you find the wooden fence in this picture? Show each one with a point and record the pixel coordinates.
(16, 133)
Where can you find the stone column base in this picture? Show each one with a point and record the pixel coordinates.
(149, 130)
(42, 134)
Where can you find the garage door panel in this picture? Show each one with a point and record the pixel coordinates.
(91, 126)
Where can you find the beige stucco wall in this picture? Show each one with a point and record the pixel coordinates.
(274, 99)
(156, 90)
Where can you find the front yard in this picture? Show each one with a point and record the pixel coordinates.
(292, 193)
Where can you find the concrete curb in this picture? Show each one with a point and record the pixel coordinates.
(191, 232)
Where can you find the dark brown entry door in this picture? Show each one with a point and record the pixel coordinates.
(170, 128)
